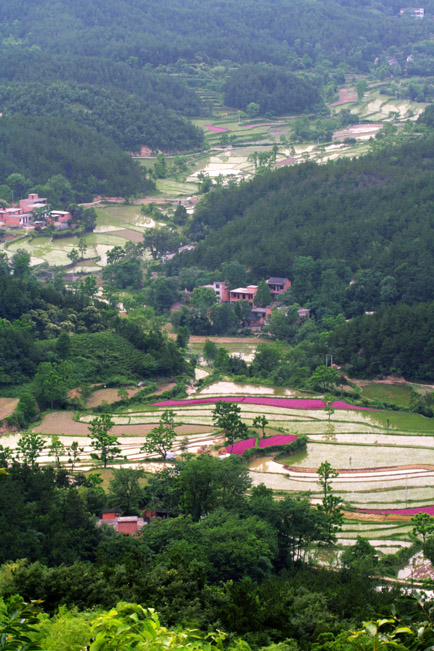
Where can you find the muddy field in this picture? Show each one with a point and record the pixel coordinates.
(63, 423)
(107, 395)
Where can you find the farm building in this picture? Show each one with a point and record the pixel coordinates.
(127, 524)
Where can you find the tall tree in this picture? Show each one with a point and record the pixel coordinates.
(262, 422)
(331, 505)
(125, 492)
(102, 441)
(226, 415)
(263, 295)
(56, 449)
(30, 446)
(50, 384)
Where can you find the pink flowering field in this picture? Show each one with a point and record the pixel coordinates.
(215, 129)
(411, 511)
(279, 439)
(289, 403)
(284, 162)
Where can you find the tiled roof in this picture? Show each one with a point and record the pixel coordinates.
(276, 281)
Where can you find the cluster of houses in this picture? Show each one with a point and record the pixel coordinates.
(258, 315)
(413, 12)
(33, 211)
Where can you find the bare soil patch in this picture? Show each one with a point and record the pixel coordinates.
(377, 517)
(7, 407)
(62, 422)
(164, 387)
(107, 395)
(128, 234)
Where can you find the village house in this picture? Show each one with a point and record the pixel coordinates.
(303, 313)
(127, 524)
(258, 317)
(23, 214)
(221, 290)
(243, 294)
(413, 12)
(60, 219)
(278, 285)
(15, 217)
(32, 202)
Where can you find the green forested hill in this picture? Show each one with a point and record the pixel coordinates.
(274, 89)
(127, 119)
(368, 220)
(162, 31)
(43, 147)
(21, 64)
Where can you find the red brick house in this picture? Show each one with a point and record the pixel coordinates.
(258, 317)
(278, 285)
(221, 290)
(129, 525)
(15, 217)
(32, 202)
(243, 294)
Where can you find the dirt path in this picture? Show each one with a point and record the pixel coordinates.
(390, 379)
(198, 339)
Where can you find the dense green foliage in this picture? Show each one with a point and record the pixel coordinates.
(127, 119)
(396, 340)
(284, 33)
(22, 65)
(80, 341)
(274, 89)
(43, 147)
(230, 562)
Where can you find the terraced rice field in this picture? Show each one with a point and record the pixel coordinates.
(385, 459)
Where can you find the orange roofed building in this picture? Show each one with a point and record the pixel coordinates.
(127, 524)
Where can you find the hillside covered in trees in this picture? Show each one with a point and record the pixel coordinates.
(273, 89)
(134, 71)
(229, 561)
(40, 148)
(163, 32)
(127, 119)
(53, 339)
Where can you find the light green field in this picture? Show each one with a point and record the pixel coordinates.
(55, 252)
(397, 394)
(176, 188)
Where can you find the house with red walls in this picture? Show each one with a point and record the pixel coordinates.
(32, 202)
(243, 294)
(129, 525)
(258, 317)
(15, 217)
(221, 291)
(278, 285)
